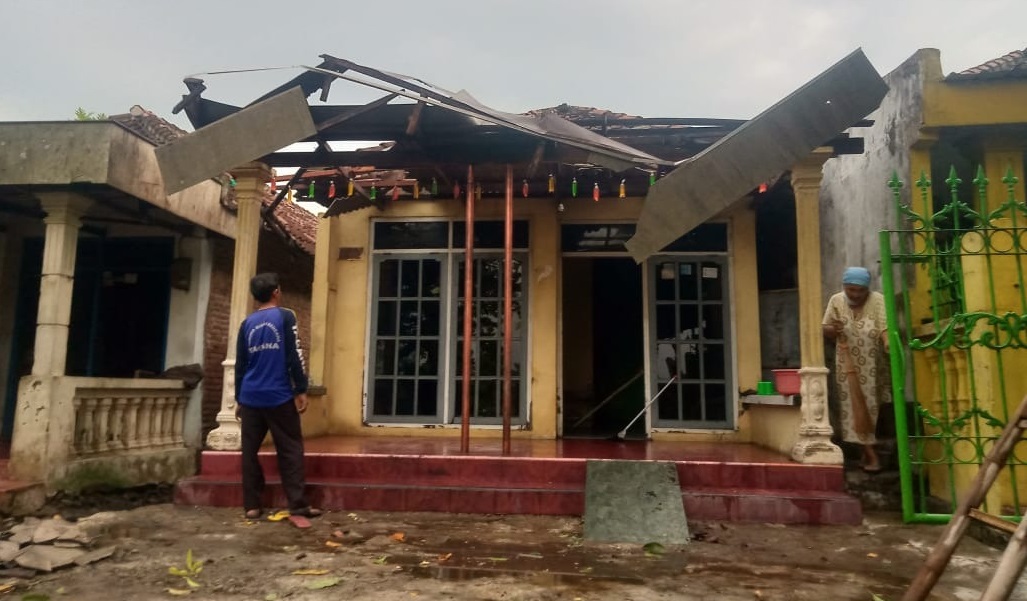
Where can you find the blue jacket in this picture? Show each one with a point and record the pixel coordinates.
(269, 366)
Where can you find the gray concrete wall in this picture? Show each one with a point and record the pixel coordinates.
(855, 201)
(100, 152)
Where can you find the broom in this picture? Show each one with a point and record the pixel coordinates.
(860, 413)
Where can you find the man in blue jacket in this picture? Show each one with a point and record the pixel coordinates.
(271, 393)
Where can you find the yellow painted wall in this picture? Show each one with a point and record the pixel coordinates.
(994, 375)
(948, 104)
(345, 327)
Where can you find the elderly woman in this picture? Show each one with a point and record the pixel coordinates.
(855, 320)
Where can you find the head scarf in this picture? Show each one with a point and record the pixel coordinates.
(857, 276)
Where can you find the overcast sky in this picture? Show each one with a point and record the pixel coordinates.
(655, 58)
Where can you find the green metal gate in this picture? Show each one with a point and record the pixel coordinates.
(953, 281)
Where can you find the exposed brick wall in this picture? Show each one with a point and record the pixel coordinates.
(296, 270)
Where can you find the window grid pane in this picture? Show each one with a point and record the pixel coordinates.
(690, 341)
(487, 342)
(407, 338)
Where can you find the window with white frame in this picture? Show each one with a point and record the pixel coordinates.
(416, 336)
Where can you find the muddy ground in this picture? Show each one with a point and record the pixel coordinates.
(390, 556)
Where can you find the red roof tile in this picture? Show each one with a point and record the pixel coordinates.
(299, 223)
(1009, 66)
(148, 126)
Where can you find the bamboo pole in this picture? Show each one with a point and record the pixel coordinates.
(1009, 567)
(939, 557)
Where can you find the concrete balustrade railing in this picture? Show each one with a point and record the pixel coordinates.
(109, 420)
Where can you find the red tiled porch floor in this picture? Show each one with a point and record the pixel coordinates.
(719, 481)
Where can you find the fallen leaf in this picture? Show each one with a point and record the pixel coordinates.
(497, 559)
(381, 560)
(278, 516)
(530, 555)
(587, 570)
(332, 544)
(178, 592)
(8, 586)
(398, 537)
(322, 583)
(425, 564)
(271, 597)
(352, 516)
(445, 557)
(309, 572)
(339, 534)
(61, 591)
(290, 548)
(653, 549)
(192, 583)
(871, 555)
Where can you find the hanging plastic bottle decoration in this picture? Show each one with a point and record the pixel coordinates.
(331, 190)
(349, 188)
(574, 187)
(477, 192)
(417, 190)
(456, 190)
(374, 192)
(552, 184)
(652, 177)
(395, 193)
(231, 181)
(524, 189)
(595, 191)
(288, 196)
(310, 189)
(434, 187)
(622, 193)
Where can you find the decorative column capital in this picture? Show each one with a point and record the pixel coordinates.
(63, 207)
(808, 172)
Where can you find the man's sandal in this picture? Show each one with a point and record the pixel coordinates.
(307, 512)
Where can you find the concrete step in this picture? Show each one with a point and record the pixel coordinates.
(525, 472)
(719, 504)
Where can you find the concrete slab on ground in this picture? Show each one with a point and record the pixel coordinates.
(634, 502)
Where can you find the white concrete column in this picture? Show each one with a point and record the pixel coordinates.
(249, 190)
(63, 220)
(814, 441)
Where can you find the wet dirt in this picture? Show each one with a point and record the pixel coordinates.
(393, 556)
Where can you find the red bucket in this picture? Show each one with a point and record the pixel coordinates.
(786, 381)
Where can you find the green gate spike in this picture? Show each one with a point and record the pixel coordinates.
(981, 181)
(895, 183)
(953, 179)
(922, 182)
(1010, 179)
(310, 190)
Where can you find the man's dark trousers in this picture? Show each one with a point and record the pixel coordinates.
(284, 423)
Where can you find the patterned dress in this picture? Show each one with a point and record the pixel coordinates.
(860, 343)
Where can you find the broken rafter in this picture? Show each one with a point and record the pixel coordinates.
(414, 121)
(268, 210)
(343, 117)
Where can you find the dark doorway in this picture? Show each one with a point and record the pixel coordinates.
(603, 347)
(119, 312)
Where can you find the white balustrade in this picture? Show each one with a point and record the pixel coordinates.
(112, 420)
